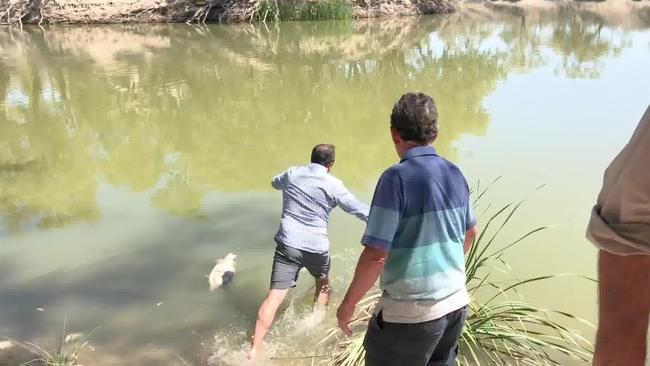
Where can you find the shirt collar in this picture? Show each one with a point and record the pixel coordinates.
(317, 167)
(419, 151)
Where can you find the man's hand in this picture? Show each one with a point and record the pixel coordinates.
(344, 315)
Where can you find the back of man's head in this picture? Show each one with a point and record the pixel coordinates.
(323, 154)
(415, 118)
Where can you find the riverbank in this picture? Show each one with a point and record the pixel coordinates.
(199, 11)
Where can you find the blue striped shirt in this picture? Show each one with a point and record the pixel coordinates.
(420, 212)
(309, 193)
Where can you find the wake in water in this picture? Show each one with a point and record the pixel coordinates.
(295, 335)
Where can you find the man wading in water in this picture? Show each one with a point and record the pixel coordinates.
(309, 193)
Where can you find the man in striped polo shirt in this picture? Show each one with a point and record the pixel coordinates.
(421, 223)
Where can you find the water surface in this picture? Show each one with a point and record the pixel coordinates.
(133, 156)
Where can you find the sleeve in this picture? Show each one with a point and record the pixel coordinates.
(351, 205)
(280, 181)
(385, 212)
(620, 220)
(470, 217)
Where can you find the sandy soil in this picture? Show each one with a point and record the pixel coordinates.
(623, 12)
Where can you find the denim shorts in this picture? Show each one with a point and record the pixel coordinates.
(288, 262)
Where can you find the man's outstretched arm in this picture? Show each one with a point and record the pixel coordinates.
(351, 205)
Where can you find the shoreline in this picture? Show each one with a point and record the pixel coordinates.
(198, 11)
(19, 12)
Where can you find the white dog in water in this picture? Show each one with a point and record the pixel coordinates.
(223, 271)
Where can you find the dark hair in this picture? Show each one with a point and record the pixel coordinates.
(323, 154)
(415, 118)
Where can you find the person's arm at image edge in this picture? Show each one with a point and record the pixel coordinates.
(620, 228)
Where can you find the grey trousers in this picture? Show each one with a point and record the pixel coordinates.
(432, 343)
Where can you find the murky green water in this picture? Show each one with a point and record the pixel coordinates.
(133, 156)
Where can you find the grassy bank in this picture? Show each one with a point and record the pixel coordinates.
(303, 10)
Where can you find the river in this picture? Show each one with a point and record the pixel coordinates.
(132, 156)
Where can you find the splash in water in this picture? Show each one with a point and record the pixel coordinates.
(295, 335)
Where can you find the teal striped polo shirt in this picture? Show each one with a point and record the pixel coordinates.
(420, 213)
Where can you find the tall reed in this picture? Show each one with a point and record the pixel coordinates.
(290, 10)
(501, 328)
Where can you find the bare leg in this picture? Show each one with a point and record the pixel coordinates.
(624, 304)
(322, 294)
(265, 317)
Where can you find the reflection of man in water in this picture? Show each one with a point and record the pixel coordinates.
(620, 227)
(309, 193)
(421, 221)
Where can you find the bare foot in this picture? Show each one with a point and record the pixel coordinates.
(254, 354)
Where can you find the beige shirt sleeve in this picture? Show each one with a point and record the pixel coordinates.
(620, 221)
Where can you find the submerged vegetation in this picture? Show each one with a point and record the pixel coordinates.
(501, 328)
(303, 10)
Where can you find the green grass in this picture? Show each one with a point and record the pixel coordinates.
(66, 353)
(279, 10)
(502, 330)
